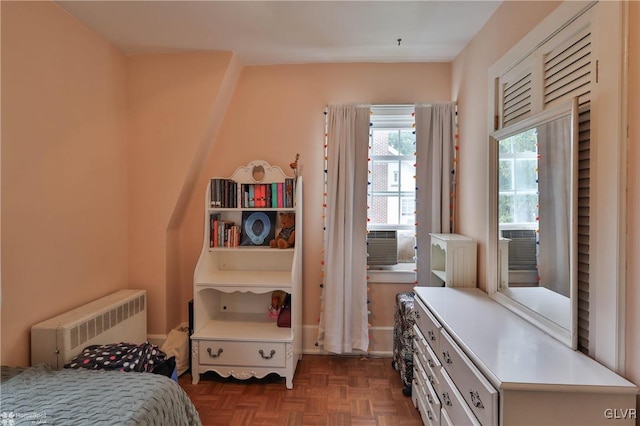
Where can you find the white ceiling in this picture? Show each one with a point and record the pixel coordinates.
(274, 32)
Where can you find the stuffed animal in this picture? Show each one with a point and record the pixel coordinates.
(277, 299)
(287, 236)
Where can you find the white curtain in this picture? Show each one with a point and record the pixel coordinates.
(554, 185)
(344, 313)
(435, 142)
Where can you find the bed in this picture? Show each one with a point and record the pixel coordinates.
(43, 395)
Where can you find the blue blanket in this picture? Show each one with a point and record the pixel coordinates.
(41, 395)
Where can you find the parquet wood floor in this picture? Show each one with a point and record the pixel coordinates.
(327, 390)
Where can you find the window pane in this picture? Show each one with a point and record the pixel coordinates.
(384, 175)
(407, 176)
(504, 146)
(505, 208)
(505, 175)
(526, 208)
(407, 143)
(525, 141)
(525, 174)
(407, 210)
(380, 142)
(383, 209)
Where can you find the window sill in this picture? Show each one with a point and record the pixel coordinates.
(402, 273)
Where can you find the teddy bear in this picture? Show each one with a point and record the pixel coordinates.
(287, 236)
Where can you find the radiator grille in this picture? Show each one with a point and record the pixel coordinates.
(97, 325)
(382, 248)
(522, 249)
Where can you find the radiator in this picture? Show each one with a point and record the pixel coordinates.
(118, 317)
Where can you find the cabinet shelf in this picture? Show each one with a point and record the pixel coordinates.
(244, 327)
(250, 249)
(247, 278)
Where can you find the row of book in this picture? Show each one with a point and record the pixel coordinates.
(223, 233)
(226, 193)
(258, 228)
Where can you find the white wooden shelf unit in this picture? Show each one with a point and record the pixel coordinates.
(453, 260)
(233, 333)
(478, 363)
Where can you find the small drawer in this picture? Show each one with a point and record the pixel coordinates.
(254, 354)
(419, 388)
(427, 323)
(445, 420)
(428, 394)
(429, 361)
(472, 384)
(454, 404)
(429, 417)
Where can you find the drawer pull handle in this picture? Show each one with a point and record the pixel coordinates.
(429, 399)
(214, 355)
(447, 357)
(272, 353)
(431, 334)
(475, 399)
(429, 415)
(431, 363)
(417, 315)
(446, 399)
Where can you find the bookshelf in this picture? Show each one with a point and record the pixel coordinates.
(237, 271)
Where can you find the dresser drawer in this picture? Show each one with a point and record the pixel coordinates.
(429, 361)
(255, 354)
(474, 387)
(427, 323)
(427, 394)
(452, 402)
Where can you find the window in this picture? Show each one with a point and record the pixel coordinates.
(391, 186)
(517, 181)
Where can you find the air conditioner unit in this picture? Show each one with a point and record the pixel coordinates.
(382, 248)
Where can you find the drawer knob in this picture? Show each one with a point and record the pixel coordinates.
(271, 354)
(431, 334)
(417, 315)
(446, 399)
(475, 399)
(446, 357)
(214, 355)
(431, 363)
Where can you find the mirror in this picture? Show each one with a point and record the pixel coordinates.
(533, 220)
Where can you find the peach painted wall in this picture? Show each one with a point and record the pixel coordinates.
(277, 111)
(175, 112)
(510, 22)
(633, 202)
(64, 216)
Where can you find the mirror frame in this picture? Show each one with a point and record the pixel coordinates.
(567, 335)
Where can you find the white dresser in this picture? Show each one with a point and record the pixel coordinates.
(476, 362)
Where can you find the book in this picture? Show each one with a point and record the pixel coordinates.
(213, 229)
(258, 228)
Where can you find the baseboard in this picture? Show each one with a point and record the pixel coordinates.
(380, 342)
(156, 339)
